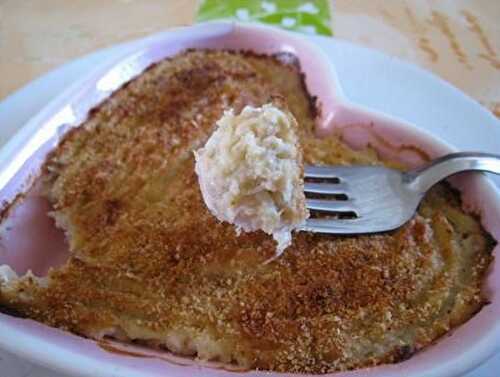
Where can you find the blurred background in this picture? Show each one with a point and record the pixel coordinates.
(459, 40)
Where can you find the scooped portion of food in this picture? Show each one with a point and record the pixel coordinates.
(251, 172)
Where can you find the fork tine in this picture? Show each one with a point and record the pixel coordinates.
(319, 172)
(334, 226)
(324, 188)
(340, 172)
(330, 205)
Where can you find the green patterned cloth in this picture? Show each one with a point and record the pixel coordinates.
(312, 17)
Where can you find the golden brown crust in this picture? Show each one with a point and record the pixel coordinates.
(149, 259)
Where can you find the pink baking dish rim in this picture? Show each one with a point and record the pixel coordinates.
(466, 347)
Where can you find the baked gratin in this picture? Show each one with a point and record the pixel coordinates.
(150, 265)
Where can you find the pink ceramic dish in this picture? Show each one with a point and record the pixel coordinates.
(28, 239)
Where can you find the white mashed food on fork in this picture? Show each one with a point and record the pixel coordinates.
(251, 172)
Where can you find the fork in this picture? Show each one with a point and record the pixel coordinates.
(375, 198)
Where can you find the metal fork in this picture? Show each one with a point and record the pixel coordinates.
(376, 198)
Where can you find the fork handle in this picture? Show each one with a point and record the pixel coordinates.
(423, 179)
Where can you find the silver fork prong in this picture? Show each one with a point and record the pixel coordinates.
(330, 205)
(334, 226)
(319, 172)
(325, 188)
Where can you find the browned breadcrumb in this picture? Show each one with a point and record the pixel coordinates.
(148, 259)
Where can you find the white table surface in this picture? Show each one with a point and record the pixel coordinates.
(367, 77)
